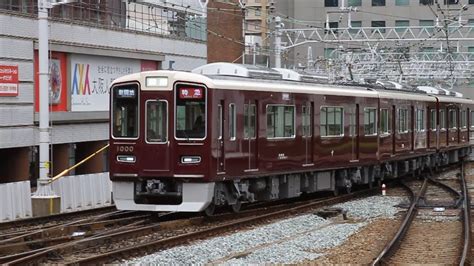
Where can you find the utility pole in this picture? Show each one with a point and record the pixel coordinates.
(44, 187)
(44, 200)
(278, 33)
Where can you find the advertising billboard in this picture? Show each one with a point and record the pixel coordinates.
(90, 79)
(57, 81)
(8, 80)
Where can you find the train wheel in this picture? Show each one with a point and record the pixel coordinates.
(210, 210)
(236, 207)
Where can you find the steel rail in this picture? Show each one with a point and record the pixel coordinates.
(449, 189)
(48, 218)
(388, 250)
(465, 257)
(153, 245)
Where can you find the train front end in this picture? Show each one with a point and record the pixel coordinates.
(158, 142)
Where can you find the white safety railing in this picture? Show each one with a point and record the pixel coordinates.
(15, 201)
(82, 192)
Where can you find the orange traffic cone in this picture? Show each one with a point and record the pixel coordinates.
(383, 190)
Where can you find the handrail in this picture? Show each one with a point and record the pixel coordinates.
(58, 176)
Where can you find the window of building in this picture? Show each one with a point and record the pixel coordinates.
(452, 120)
(384, 121)
(156, 121)
(333, 27)
(401, 25)
(232, 122)
(250, 121)
(378, 2)
(379, 24)
(451, 2)
(307, 121)
(420, 120)
(331, 3)
(470, 49)
(463, 119)
(331, 121)
(355, 26)
(426, 2)
(442, 119)
(471, 2)
(280, 121)
(329, 52)
(402, 2)
(433, 119)
(354, 2)
(402, 120)
(370, 121)
(257, 12)
(429, 24)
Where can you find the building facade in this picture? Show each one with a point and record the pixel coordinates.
(90, 45)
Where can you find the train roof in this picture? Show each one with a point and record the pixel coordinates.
(242, 77)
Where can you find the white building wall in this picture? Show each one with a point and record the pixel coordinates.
(18, 36)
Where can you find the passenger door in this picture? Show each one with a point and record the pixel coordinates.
(354, 132)
(157, 145)
(251, 134)
(220, 138)
(308, 138)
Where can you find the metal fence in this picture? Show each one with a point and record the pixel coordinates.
(15, 201)
(179, 22)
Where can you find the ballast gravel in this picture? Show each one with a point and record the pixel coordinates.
(288, 241)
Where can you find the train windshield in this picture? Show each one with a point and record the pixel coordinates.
(125, 111)
(190, 112)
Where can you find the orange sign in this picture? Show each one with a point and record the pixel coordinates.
(8, 80)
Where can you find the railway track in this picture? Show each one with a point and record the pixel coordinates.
(17, 227)
(165, 232)
(436, 227)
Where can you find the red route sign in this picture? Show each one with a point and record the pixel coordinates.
(190, 93)
(8, 80)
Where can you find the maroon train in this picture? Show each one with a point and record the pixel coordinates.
(227, 134)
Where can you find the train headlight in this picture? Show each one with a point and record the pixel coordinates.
(190, 159)
(126, 158)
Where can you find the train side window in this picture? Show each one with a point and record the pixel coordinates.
(156, 121)
(402, 120)
(307, 121)
(384, 121)
(232, 122)
(331, 122)
(125, 111)
(280, 121)
(420, 120)
(442, 119)
(370, 121)
(219, 121)
(249, 121)
(452, 119)
(463, 119)
(433, 119)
